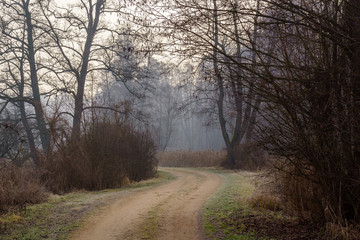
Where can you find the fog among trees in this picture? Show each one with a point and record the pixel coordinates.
(277, 75)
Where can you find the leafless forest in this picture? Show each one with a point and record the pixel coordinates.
(94, 93)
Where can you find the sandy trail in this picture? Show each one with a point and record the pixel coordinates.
(178, 203)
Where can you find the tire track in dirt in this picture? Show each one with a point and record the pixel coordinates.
(179, 203)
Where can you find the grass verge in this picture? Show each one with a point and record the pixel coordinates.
(231, 214)
(229, 202)
(149, 228)
(60, 215)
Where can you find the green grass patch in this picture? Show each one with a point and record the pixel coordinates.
(224, 212)
(161, 178)
(61, 215)
(235, 212)
(149, 228)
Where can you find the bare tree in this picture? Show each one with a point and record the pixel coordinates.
(73, 35)
(216, 35)
(245, 107)
(20, 46)
(166, 107)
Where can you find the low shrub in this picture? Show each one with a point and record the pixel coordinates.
(207, 158)
(111, 153)
(19, 186)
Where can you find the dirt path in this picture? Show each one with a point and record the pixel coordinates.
(176, 206)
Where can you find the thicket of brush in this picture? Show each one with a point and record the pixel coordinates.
(311, 108)
(280, 190)
(207, 158)
(19, 186)
(309, 199)
(111, 153)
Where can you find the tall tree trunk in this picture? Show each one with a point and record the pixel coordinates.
(29, 134)
(230, 159)
(30, 137)
(81, 80)
(237, 86)
(39, 113)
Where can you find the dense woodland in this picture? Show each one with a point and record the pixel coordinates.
(90, 90)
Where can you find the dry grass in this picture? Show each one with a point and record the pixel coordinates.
(267, 194)
(265, 201)
(190, 159)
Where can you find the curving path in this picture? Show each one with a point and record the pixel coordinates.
(177, 205)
